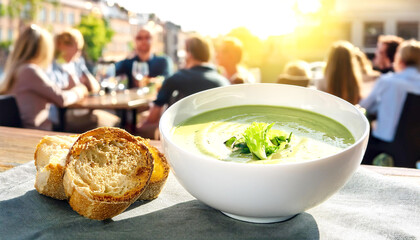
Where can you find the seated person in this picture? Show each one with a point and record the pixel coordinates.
(342, 76)
(68, 61)
(26, 79)
(368, 73)
(199, 75)
(158, 65)
(69, 69)
(229, 56)
(295, 73)
(388, 95)
(385, 52)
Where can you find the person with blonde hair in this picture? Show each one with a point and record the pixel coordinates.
(197, 76)
(342, 76)
(295, 73)
(69, 62)
(366, 67)
(389, 93)
(369, 75)
(69, 69)
(229, 57)
(26, 79)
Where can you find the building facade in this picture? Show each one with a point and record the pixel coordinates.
(125, 24)
(363, 21)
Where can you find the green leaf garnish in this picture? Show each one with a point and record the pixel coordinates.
(260, 140)
(256, 139)
(230, 142)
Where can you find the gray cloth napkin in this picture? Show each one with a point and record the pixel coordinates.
(369, 206)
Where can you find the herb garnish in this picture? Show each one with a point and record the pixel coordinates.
(259, 140)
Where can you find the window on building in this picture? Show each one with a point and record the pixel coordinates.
(71, 19)
(408, 30)
(372, 30)
(10, 34)
(42, 15)
(61, 16)
(53, 16)
(26, 12)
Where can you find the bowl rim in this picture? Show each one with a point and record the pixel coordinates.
(166, 135)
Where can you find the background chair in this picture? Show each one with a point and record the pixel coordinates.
(293, 80)
(9, 112)
(405, 149)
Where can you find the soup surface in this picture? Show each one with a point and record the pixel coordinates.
(313, 135)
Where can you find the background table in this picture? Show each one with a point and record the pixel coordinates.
(369, 206)
(126, 100)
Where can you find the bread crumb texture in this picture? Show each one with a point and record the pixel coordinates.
(109, 164)
(106, 165)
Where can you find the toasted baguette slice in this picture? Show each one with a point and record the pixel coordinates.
(107, 169)
(50, 159)
(159, 175)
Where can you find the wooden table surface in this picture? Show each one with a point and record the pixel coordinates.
(127, 99)
(17, 146)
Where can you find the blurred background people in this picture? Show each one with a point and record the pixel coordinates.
(69, 69)
(197, 76)
(296, 73)
(157, 65)
(366, 68)
(342, 76)
(68, 61)
(388, 95)
(385, 51)
(26, 79)
(229, 56)
(369, 75)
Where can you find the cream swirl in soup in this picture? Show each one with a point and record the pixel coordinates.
(314, 135)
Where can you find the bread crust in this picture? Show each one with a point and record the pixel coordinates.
(102, 205)
(159, 176)
(49, 176)
(54, 187)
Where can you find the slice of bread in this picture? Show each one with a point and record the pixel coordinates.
(106, 170)
(50, 159)
(159, 175)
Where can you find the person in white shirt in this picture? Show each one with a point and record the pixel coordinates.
(389, 93)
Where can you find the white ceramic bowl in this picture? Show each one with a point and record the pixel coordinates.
(257, 192)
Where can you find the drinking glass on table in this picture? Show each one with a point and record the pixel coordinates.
(106, 75)
(140, 72)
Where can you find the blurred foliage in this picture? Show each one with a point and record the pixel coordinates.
(96, 33)
(25, 10)
(5, 45)
(2, 10)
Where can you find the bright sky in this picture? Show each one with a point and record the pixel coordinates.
(261, 17)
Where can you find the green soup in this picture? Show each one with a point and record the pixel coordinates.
(314, 135)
